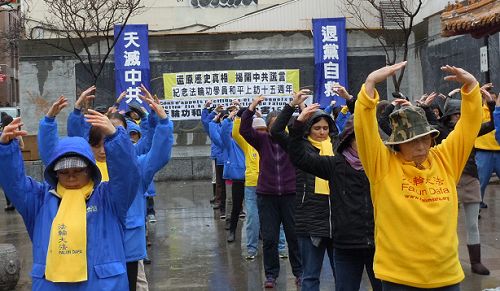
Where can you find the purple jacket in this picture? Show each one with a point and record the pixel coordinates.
(276, 171)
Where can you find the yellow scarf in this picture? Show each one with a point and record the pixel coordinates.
(325, 149)
(103, 168)
(67, 252)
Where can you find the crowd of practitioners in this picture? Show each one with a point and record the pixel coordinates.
(375, 185)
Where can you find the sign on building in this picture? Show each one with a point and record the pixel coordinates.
(131, 63)
(330, 59)
(186, 93)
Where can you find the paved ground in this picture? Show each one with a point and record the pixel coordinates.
(190, 251)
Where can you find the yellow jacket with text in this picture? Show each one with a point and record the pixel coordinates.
(251, 155)
(416, 209)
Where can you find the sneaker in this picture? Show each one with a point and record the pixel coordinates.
(250, 256)
(152, 218)
(283, 254)
(222, 217)
(483, 205)
(298, 281)
(243, 214)
(270, 282)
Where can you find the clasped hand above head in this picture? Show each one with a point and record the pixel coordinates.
(307, 112)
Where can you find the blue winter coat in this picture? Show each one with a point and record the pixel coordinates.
(206, 117)
(150, 163)
(234, 168)
(220, 155)
(77, 126)
(106, 209)
(133, 127)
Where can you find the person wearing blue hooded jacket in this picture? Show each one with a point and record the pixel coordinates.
(73, 220)
(135, 134)
(149, 163)
(208, 114)
(214, 128)
(76, 125)
(234, 169)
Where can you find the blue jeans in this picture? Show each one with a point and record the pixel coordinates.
(312, 261)
(252, 224)
(487, 162)
(388, 286)
(282, 242)
(349, 265)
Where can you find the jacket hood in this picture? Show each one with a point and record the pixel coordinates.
(314, 118)
(72, 146)
(134, 107)
(452, 106)
(133, 127)
(438, 103)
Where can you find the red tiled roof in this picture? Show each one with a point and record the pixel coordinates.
(477, 17)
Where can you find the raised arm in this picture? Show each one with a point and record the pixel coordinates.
(342, 118)
(215, 135)
(25, 193)
(121, 162)
(373, 154)
(349, 99)
(278, 130)
(488, 126)
(247, 132)
(455, 149)
(47, 130)
(76, 125)
(226, 129)
(319, 166)
(329, 108)
(161, 147)
(236, 131)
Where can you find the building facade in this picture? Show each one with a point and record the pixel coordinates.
(265, 34)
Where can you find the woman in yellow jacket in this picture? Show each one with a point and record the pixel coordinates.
(413, 186)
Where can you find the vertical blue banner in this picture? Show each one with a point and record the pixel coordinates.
(330, 59)
(131, 63)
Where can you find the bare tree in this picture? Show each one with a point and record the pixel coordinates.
(395, 19)
(85, 28)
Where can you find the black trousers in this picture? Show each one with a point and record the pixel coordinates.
(238, 194)
(132, 269)
(273, 211)
(150, 205)
(220, 188)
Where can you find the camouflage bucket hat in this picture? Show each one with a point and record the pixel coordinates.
(409, 123)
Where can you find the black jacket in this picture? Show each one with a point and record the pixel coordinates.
(351, 205)
(313, 211)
